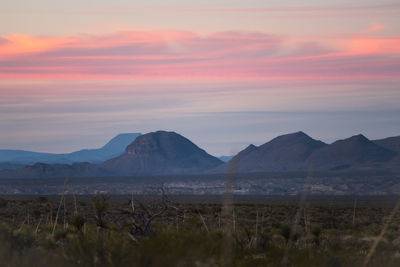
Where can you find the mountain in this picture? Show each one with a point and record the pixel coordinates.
(391, 143)
(356, 152)
(12, 159)
(287, 152)
(160, 153)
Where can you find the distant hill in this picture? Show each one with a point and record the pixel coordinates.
(356, 152)
(287, 152)
(299, 152)
(225, 158)
(44, 170)
(10, 165)
(160, 153)
(391, 143)
(11, 159)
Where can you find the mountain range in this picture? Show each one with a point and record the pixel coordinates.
(299, 152)
(356, 152)
(166, 153)
(155, 153)
(13, 159)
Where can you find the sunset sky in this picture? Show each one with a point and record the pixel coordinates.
(223, 73)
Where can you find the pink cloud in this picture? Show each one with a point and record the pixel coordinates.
(374, 27)
(186, 55)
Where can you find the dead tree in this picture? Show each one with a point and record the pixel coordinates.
(143, 215)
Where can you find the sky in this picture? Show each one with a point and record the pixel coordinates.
(224, 74)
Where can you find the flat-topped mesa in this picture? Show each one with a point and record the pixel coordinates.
(118, 143)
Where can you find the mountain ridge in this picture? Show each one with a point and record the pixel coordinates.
(391, 143)
(113, 148)
(354, 152)
(286, 152)
(166, 153)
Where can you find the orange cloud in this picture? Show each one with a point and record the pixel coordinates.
(20, 44)
(368, 45)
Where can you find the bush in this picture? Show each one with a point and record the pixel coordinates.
(78, 221)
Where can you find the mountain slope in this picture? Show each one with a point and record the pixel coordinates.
(162, 153)
(391, 143)
(115, 147)
(287, 152)
(356, 152)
